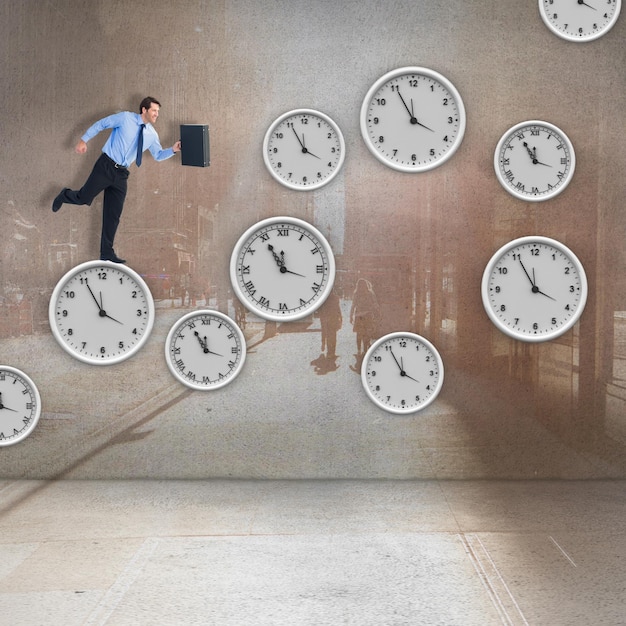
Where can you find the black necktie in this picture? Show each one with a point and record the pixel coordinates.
(140, 144)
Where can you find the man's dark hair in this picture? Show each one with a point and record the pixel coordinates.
(146, 103)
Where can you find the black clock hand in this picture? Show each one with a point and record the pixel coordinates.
(6, 408)
(532, 282)
(587, 5)
(305, 150)
(280, 261)
(533, 156)
(412, 117)
(204, 344)
(400, 365)
(98, 304)
(103, 313)
(403, 372)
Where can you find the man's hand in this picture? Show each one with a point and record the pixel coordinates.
(176, 146)
(81, 147)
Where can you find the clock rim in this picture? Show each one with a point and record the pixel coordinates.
(572, 38)
(413, 69)
(272, 317)
(29, 381)
(507, 247)
(181, 321)
(393, 335)
(77, 269)
(312, 112)
(502, 179)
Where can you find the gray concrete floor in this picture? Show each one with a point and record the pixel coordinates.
(313, 552)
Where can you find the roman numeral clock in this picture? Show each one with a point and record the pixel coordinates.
(282, 269)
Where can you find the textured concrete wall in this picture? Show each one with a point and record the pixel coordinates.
(506, 410)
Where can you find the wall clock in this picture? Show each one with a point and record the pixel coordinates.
(101, 312)
(412, 119)
(534, 160)
(580, 20)
(20, 405)
(205, 350)
(534, 289)
(282, 268)
(402, 372)
(303, 149)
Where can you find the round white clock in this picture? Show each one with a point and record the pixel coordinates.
(534, 160)
(402, 372)
(413, 119)
(282, 268)
(205, 350)
(534, 289)
(580, 20)
(101, 312)
(20, 405)
(304, 149)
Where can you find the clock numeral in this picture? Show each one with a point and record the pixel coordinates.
(282, 306)
(250, 288)
(282, 232)
(263, 301)
(315, 287)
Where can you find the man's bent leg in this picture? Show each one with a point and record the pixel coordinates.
(100, 178)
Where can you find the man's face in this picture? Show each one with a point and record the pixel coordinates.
(150, 115)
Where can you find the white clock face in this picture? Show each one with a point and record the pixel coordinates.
(282, 269)
(402, 372)
(534, 289)
(20, 405)
(304, 149)
(413, 119)
(101, 312)
(205, 350)
(534, 161)
(580, 20)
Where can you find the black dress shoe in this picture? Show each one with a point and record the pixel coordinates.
(58, 201)
(112, 257)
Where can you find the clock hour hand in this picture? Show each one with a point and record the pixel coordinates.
(533, 282)
(204, 344)
(6, 408)
(280, 261)
(101, 311)
(533, 155)
(305, 150)
(412, 117)
(400, 365)
(587, 5)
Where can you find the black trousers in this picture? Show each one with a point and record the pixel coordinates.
(113, 180)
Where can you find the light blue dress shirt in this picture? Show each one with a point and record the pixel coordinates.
(121, 146)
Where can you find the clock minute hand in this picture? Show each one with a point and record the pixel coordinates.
(587, 5)
(532, 282)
